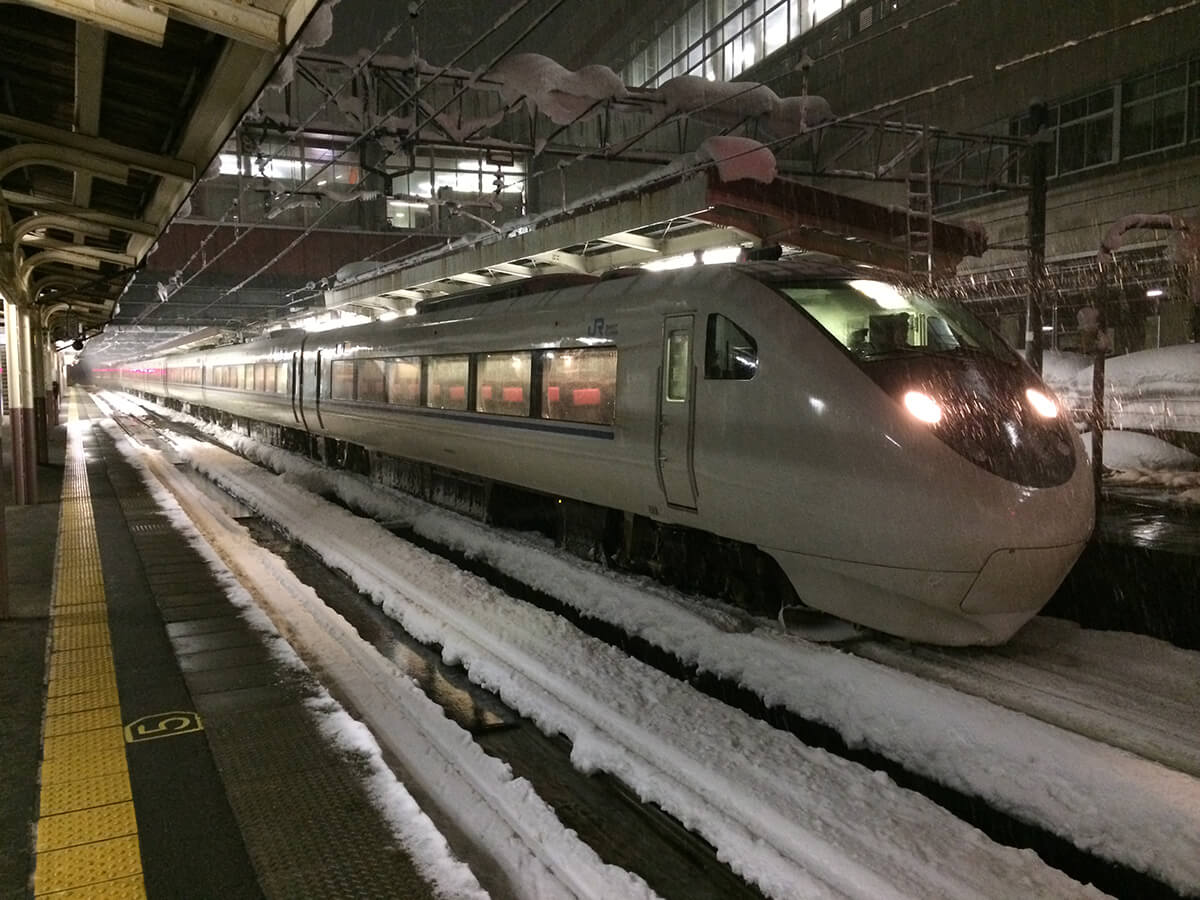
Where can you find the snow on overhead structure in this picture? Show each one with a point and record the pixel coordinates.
(739, 157)
(726, 104)
(1115, 236)
(316, 33)
(562, 95)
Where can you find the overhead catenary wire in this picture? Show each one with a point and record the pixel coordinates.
(242, 233)
(540, 19)
(233, 206)
(472, 240)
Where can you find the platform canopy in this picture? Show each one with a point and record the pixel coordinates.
(111, 113)
(655, 219)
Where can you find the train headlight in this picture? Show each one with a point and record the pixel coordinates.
(1043, 405)
(923, 407)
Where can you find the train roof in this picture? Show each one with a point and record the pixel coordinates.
(766, 271)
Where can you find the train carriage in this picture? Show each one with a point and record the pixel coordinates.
(900, 466)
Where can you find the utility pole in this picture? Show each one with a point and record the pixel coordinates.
(1036, 232)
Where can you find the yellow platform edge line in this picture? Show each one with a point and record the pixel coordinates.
(81, 849)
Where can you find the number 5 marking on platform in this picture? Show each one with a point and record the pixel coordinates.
(161, 725)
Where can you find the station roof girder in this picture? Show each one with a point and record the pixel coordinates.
(115, 109)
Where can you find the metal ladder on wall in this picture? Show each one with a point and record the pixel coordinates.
(920, 210)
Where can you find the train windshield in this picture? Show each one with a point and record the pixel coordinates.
(878, 320)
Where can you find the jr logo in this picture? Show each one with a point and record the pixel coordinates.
(601, 329)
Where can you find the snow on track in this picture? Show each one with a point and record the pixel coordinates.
(793, 820)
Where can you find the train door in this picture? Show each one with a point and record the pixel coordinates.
(676, 414)
(295, 384)
(317, 391)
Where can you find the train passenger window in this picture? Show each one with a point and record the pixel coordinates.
(679, 364)
(404, 381)
(502, 383)
(281, 378)
(729, 353)
(247, 381)
(371, 385)
(447, 382)
(268, 378)
(579, 385)
(341, 379)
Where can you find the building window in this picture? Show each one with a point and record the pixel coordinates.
(722, 38)
(464, 179)
(1085, 132)
(1154, 110)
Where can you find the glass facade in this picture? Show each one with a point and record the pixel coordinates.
(720, 39)
(461, 178)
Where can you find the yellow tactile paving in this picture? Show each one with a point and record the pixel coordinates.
(66, 687)
(87, 843)
(87, 742)
(81, 701)
(85, 864)
(82, 793)
(121, 889)
(85, 763)
(79, 637)
(87, 720)
(98, 823)
(68, 658)
(82, 614)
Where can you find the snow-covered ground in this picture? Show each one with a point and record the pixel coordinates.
(1151, 390)
(1114, 803)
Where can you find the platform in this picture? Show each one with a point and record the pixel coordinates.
(150, 744)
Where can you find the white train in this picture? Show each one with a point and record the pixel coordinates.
(722, 426)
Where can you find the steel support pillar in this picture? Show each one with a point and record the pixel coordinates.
(18, 328)
(54, 392)
(38, 359)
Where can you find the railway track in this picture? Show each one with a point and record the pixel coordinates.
(1026, 682)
